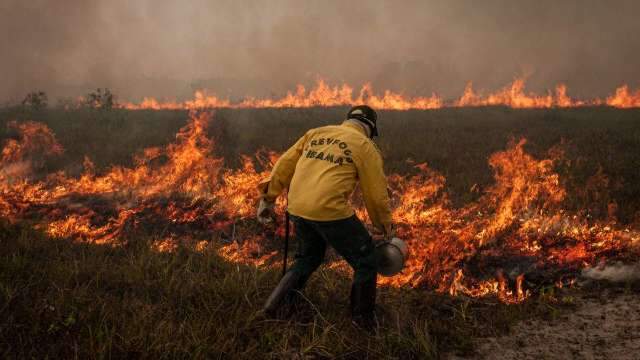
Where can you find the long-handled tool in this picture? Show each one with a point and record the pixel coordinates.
(286, 242)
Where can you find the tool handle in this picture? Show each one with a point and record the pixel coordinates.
(286, 242)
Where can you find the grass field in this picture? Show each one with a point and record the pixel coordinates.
(64, 299)
(454, 142)
(60, 299)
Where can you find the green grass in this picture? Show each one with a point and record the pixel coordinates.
(60, 299)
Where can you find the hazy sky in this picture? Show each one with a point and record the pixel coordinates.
(168, 48)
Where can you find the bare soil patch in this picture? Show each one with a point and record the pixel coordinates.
(604, 325)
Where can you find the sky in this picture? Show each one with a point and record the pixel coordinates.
(169, 48)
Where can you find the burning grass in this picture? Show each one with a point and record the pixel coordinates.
(181, 204)
(64, 299)
(515, 237)
(512, 95)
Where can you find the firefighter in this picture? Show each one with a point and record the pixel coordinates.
(320, 172)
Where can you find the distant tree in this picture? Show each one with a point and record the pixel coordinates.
(101, 99)
(36, 100)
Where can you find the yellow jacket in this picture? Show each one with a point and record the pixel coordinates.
(321, 170)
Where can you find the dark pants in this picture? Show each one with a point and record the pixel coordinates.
(352, 241)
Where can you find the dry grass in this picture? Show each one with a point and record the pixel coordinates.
(454, 142)
(61, 299)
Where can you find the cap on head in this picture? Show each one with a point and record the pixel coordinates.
(366, 115)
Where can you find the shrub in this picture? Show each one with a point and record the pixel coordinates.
(102, 98)
(37, 100)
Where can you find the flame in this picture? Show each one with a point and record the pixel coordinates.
(37, 142)
(321, 95)
(624, 98)
(514, 96)
(324, 95)
(515, 233)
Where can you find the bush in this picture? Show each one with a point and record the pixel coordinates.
(101, 99)
(37, 100)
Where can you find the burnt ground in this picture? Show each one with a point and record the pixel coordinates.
(605, 324)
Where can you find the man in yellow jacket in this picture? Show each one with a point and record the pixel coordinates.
(320, 172)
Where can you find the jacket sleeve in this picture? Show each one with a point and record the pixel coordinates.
(373, 183)
(282, 171)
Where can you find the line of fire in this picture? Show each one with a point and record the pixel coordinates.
(513, 95)
(514, 239)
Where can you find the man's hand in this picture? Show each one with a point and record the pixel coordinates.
(389, 233)
(383, 236)
(266, 213)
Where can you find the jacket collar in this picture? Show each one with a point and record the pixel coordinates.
(352, 125)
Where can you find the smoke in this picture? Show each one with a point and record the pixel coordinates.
(169, 48)
(616, 272)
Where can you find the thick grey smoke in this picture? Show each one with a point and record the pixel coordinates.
(235, 48)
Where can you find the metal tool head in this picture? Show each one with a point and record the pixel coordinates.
(391, 256)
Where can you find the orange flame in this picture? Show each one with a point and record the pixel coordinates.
(624, 98)
(182, 193)
(324, 95)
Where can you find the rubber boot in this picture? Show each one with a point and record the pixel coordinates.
(289, 283)
(363, 303)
